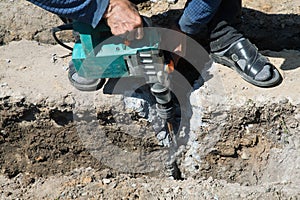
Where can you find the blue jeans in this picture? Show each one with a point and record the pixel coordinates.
(210, 15)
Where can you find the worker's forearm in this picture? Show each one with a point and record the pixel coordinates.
(87, 11)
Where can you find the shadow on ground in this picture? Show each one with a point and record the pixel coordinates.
(268, 31)
(271, 31)
(274, 32)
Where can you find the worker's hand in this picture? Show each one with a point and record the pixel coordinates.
(124, 19)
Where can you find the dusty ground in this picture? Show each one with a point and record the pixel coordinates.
(243, 141)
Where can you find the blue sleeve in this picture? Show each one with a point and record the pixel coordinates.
(87, 11)
(196, 14)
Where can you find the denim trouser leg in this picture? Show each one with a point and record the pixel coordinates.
(222, 28)
(229, 11)
(212, 14)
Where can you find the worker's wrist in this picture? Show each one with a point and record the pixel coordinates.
(108, 10)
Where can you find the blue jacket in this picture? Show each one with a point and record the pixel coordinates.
(88, 11)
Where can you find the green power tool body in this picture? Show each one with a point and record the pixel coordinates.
(97, 54)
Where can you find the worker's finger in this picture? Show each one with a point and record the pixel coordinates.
(139, 33)
(134, 34)
(117, 29)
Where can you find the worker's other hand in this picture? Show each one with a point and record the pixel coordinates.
(124, 19)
